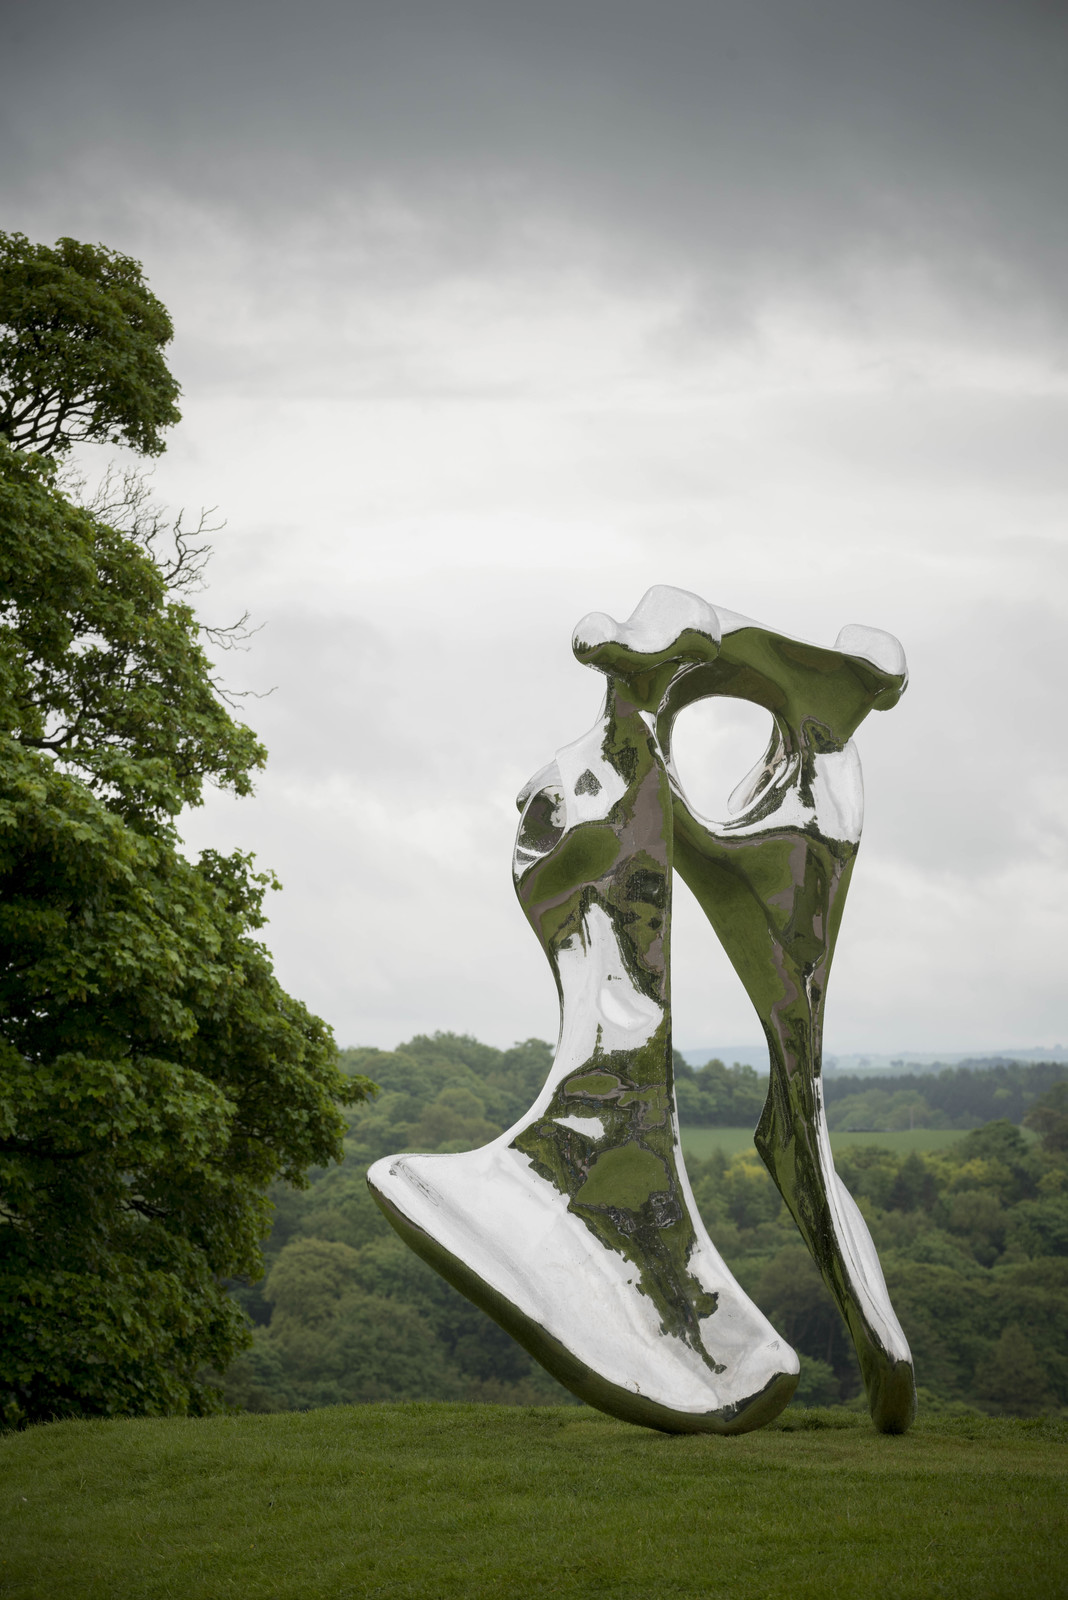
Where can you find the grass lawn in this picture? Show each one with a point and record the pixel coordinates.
(483, 1501)
(700, 1142)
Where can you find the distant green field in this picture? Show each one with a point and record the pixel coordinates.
(701, 1142)
(466, 1502)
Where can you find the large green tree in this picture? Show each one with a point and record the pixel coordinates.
(154, 1077)
(81, 342)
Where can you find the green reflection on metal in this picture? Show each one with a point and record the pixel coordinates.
(628, 1177)
(772, 882)
(624, 1183)
(600, 832)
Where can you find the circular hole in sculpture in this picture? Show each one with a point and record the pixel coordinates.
(715, 745)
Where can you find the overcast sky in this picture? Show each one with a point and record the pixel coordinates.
(489, 315)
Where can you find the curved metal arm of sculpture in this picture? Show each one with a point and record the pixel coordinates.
(772, 881)
(576, 1229)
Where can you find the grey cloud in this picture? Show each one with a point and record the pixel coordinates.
(937, 437)
(282, 172)
(443, 707)
(959, 775)
(742, 145)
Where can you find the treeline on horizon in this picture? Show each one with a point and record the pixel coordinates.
(955, 1097)
(973, 1240)
(718, 1096)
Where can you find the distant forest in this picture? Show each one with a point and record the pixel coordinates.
(718, 1096)
(955, 1097)
(973, 1240)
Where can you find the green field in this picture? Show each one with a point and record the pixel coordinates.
(444, 1501)
(701, 1142)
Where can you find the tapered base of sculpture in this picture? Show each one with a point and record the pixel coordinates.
(508, 1240)
(798, 1156)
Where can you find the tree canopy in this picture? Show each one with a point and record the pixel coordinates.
(973, 1238)
(100, 665)
(1049, 1117)
(81, 341)
(954, 1097)
(154, 1076)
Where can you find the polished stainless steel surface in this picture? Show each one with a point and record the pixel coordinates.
(576, 1229)
(772, 880)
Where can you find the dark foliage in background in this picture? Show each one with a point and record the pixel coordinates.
(974, 1240)
(954, 1097)
(346, 1312)
(718, 1096)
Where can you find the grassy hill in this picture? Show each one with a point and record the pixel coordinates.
(476, 1501)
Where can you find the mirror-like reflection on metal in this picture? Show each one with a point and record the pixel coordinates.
(576, 1229)
(772, 880)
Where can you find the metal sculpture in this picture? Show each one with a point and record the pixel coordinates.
(576, 1229)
